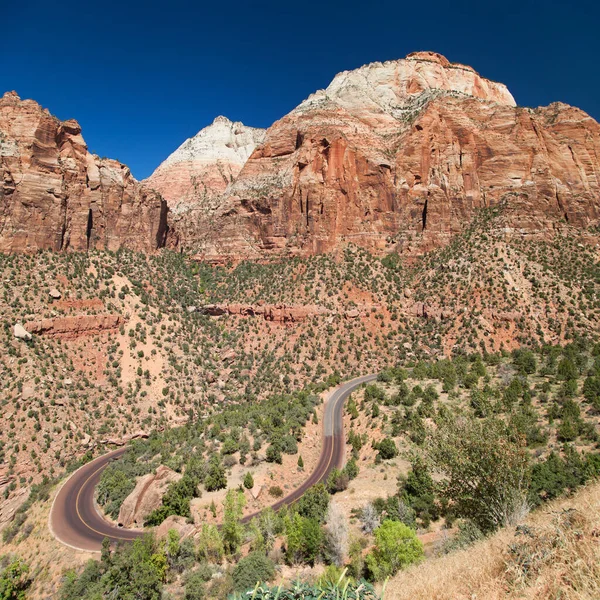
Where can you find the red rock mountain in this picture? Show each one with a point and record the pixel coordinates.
(55, 195)
(400, 155)
(391, 156)
(203, 166)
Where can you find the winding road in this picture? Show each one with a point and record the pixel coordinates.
(76, 522)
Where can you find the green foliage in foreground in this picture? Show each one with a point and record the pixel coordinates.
(251, 569)
(343, 590)
(135, 571)
(396, 547)
(14, 580)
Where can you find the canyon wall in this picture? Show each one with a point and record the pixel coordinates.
(399, 156)
(55, 195)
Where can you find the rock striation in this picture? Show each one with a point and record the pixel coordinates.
(74, 326)
(200, 170)
(55, 195)
(146, 497)
(399, 156)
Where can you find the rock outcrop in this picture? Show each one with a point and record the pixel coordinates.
(281, 313)
(146, 497)
(399, 156)
(200, 170)
(136, 435)
(55, 195)
(75, 326)
(10, 504)
(179, 524)
(20, 332)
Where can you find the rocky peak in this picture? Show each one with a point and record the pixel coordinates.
(10, 98)
(223, 139)
(204, 165)
(429, 56)
(56, 195)
(399, 156)
(395, 87)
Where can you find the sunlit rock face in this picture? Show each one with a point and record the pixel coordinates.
(203, 166)
(400, 156)
(55, 195)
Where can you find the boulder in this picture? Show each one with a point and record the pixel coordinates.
(9, 506)
(20, 332)
(146, 496)
(55, 294)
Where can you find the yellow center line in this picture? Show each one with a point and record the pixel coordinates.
(113, 536)
(79, 514)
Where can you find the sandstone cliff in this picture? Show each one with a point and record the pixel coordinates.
(203, 166)
(400, 156)
(55, 195)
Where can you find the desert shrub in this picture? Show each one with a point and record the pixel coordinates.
(194, 586)
(275, 491)
(251, 570)
(337, 481)
(525, 361)
(135, 570)
(14, 580)
(396, 547)
(485, 469)
(274, 454)
(558, 474)
(314, 503)
(215, 478)
(304, 539)
(248, 481)
(387, 449)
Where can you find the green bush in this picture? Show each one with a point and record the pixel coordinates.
(215, 478)
(396, 547)
(314, 503)
(136, 570)
(14, 580)
(194, 585)
(387, 449)
(251, 570)
(248, 481)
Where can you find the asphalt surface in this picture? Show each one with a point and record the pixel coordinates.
(76, 521)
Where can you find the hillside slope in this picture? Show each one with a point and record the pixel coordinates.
(554, 555)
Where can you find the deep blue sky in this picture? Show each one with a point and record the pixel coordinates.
(141, 77)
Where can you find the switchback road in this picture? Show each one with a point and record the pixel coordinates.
(74, 517)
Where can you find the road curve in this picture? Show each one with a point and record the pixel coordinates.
(74, 518)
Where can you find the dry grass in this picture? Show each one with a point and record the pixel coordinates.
(555, 555)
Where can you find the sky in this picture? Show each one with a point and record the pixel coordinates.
(141, 77)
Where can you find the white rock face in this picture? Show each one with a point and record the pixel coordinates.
(221, 140)
(204, 165)
(20, 332)
(396, 87)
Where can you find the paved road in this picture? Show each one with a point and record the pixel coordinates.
(75, 521)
